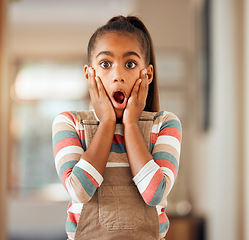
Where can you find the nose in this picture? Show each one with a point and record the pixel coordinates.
(118, 80)
(118, 74)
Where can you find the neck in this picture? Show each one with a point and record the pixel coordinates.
(119, 120)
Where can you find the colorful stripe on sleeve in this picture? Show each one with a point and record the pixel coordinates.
(150, 183)
(78, 176)
(156, 178)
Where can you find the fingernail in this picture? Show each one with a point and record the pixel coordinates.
(90, 70)
(145, 72)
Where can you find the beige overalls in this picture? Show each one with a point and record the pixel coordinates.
(117, 210)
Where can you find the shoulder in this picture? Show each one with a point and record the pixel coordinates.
(165, 116)
(66, 117)
(74, 117)
(167, 119)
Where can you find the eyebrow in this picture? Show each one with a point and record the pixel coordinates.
(127, 54)
(130, 54)
(105, 53)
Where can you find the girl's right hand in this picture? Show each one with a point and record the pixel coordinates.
(100, 100)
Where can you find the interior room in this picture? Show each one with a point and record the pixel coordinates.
(202, 61)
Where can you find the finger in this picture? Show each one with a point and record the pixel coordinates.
(143, 89)
(135, 89)
(93, 85)
(144, 76)
(103, 96)
(100, 86)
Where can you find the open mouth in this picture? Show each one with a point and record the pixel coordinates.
(119, 97)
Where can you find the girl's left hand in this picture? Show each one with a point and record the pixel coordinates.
(137, 100)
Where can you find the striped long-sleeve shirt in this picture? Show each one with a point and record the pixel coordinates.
(154, 181)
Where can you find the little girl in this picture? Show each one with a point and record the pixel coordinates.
(119, 161)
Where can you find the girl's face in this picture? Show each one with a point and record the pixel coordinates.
(118, 61)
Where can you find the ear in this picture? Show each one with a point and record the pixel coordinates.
(150, 73)
(86, 72)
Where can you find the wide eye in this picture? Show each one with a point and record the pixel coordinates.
(105, 64)
(131, 64)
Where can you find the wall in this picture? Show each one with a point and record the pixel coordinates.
(242, 65)
(223, 144)
(219, 149)
(64, 31)
(3, 74)
(246, 120)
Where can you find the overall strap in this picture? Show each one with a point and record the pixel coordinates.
(145, 125)
(90, 124)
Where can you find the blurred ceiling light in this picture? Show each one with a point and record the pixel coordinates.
(50, 81)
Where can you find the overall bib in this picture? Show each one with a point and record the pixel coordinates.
(117, 210)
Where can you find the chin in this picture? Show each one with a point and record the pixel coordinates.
(119, 113)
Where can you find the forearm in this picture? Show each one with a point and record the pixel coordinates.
(137, 151)
(99, 149)
(147, 174)
(80, 169)
(152, 184)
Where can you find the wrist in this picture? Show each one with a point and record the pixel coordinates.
(130, 125)
(130, 121)
(108, 124)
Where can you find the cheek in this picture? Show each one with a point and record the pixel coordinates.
(135, 76)
(104, 79)
(102, 75)
(100, 72)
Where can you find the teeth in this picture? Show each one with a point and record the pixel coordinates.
(119, 97)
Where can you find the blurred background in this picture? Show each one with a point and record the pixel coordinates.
(202, 59)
